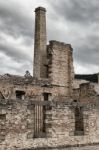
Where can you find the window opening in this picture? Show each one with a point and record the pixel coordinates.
(79, 123)
(20, 94)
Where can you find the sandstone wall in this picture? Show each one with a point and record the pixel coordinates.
(18, 121)
(75, 147)
(61, 66)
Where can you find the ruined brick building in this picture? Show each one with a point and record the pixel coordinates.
(53, 110)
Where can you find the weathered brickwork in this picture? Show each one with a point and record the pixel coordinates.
(53, 110)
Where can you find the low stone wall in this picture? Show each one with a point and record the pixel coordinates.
(92, 146)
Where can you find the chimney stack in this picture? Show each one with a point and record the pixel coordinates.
(40, 41)
(98, 77)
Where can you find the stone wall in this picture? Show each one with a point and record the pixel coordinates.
(32, 87)
(94, 146)
(18, 119)
(85, 91)
(61, 70)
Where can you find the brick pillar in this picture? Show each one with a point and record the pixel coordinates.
(40, 43)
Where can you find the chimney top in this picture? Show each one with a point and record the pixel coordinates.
(40, 8)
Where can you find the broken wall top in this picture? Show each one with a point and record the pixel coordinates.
(22, 80)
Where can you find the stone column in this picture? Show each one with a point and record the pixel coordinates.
(40, 43)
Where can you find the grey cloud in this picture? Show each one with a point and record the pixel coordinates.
(82, 19)
(14, 21)
(14, 52)
(87, 51)
(15, 25)
(82, 11)
(16, 67)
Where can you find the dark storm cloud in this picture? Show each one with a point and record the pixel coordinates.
(82, 20)
(88, 51)
(82, 11)
(7, 63)
(14, 52)
(14, 21)
(16, 37)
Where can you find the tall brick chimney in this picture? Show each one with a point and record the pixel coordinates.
(40, 41)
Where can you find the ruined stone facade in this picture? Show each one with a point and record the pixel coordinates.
(53, 110)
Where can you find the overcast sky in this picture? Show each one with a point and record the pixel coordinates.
(70, 21)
